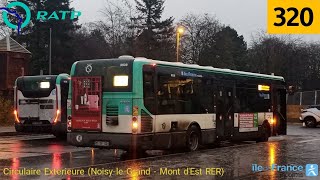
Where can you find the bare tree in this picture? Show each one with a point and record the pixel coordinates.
(116, 26)
(4, 30)
(285, 56)
(200, 31)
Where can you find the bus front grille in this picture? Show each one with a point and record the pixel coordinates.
(146, 122)
(112, 110)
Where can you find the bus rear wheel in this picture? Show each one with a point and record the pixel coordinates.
(19, 129)
(264, 133)
(193, 138)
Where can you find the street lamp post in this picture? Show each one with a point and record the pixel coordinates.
(180, 31)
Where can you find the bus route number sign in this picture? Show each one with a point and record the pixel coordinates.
(293, 17)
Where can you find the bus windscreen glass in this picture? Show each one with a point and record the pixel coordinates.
(116, 74)
(36, 87)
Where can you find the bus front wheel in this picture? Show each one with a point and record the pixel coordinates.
(265, 133)
(193, 138)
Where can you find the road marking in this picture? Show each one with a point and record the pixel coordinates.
(311, 140)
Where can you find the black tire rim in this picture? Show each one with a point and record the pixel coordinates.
(193, 141)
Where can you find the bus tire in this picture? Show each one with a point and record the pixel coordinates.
(310, 122)
(60, 136)
(19, 129)
(265, 134)
(193, 138)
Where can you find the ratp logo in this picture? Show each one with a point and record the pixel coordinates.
(41, 15)
(88, 68)
(312, 170)
(7, 10)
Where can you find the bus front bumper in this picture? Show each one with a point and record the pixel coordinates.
(33, 128)
(110, 141)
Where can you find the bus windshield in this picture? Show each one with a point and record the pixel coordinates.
(36, 87)
(117, 74)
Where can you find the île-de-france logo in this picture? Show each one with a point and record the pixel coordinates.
(312, 170)
(9, 9)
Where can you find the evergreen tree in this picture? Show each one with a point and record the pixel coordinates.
(155, 36)
(226, 50)
(36, 36)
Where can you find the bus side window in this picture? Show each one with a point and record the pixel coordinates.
(148, 89)
(148, 92)
(165, 101)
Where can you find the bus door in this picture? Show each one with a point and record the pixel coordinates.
(225, 111)
(86, 103)
(281, 111)
(64, 96)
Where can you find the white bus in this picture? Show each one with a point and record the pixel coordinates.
(40, 103)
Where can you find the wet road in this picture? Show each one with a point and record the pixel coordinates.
(230, 161)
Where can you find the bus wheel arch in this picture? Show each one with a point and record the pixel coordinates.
(193, 137)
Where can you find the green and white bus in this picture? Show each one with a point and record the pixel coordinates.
(136, 103)
(40, 103)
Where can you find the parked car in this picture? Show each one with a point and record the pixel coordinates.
(310, 116)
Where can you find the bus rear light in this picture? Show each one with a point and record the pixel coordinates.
(273, 121)
(69, 125)
(135, 124)
(57, 116)
(15, 112)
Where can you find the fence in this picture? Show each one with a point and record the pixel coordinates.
(304, 98)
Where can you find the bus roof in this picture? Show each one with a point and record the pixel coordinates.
(38, 76)
(210, 68)
(191, 66)
(44, 76)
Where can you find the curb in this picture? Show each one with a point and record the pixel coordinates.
(11, 133)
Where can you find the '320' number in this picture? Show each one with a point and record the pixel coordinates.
(296, 13)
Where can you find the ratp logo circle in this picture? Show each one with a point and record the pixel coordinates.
(20, 24)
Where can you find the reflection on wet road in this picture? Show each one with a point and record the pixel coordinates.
(236, 160)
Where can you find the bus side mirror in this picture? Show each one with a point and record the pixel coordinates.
(291, 90)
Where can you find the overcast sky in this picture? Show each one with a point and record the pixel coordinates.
(246, 16)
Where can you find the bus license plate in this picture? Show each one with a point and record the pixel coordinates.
(102, 143)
